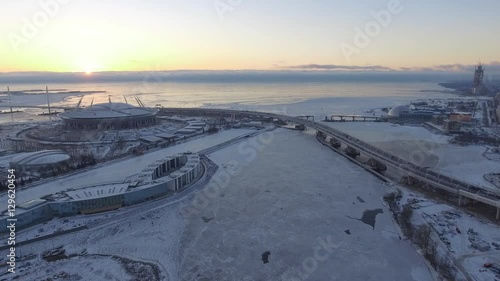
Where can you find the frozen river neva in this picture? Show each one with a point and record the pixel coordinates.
(295, 211)
(281, 206)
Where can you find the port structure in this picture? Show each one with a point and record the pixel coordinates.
(306, 117)
(354, 118)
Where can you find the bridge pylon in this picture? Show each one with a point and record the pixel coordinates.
(409, 180)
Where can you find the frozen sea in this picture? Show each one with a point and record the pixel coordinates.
(292, 98)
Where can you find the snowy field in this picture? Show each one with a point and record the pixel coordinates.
(121, 169)
(78, 268)
(281, 216)
(474, 264)
(471, 241)
(424, 148)
(56, 225)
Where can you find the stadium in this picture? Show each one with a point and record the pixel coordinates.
(109, 116)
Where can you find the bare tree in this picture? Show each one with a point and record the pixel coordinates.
(120, 143)
(405, 220)
(423, 236)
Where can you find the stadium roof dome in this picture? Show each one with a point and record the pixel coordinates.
(38, 158)
(398, 110)
(108, 110)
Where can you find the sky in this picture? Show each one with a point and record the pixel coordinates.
(138, 35)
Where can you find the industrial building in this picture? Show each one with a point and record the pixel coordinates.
(452, 126)
(461, 116)
(446, 118)
(158, 179)
(404, 112)
(398, 111)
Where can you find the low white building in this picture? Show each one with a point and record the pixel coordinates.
(34, 161)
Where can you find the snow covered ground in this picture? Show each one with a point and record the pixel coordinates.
(474, 264)
(471, 241)
(424, 148)
(75, 268)
(310, 214)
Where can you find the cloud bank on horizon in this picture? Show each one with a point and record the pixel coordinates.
(298, 74)
(493, 67)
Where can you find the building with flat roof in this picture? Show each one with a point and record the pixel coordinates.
(156, 180)
(36, 161)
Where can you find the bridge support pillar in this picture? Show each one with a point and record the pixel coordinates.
(409, 180)
(321, 135)
(351, 152)
(376, 165)
(335, 143)
(463, 201)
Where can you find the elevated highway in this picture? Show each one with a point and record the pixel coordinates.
(462, 189)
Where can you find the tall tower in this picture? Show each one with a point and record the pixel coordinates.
(478, 79)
